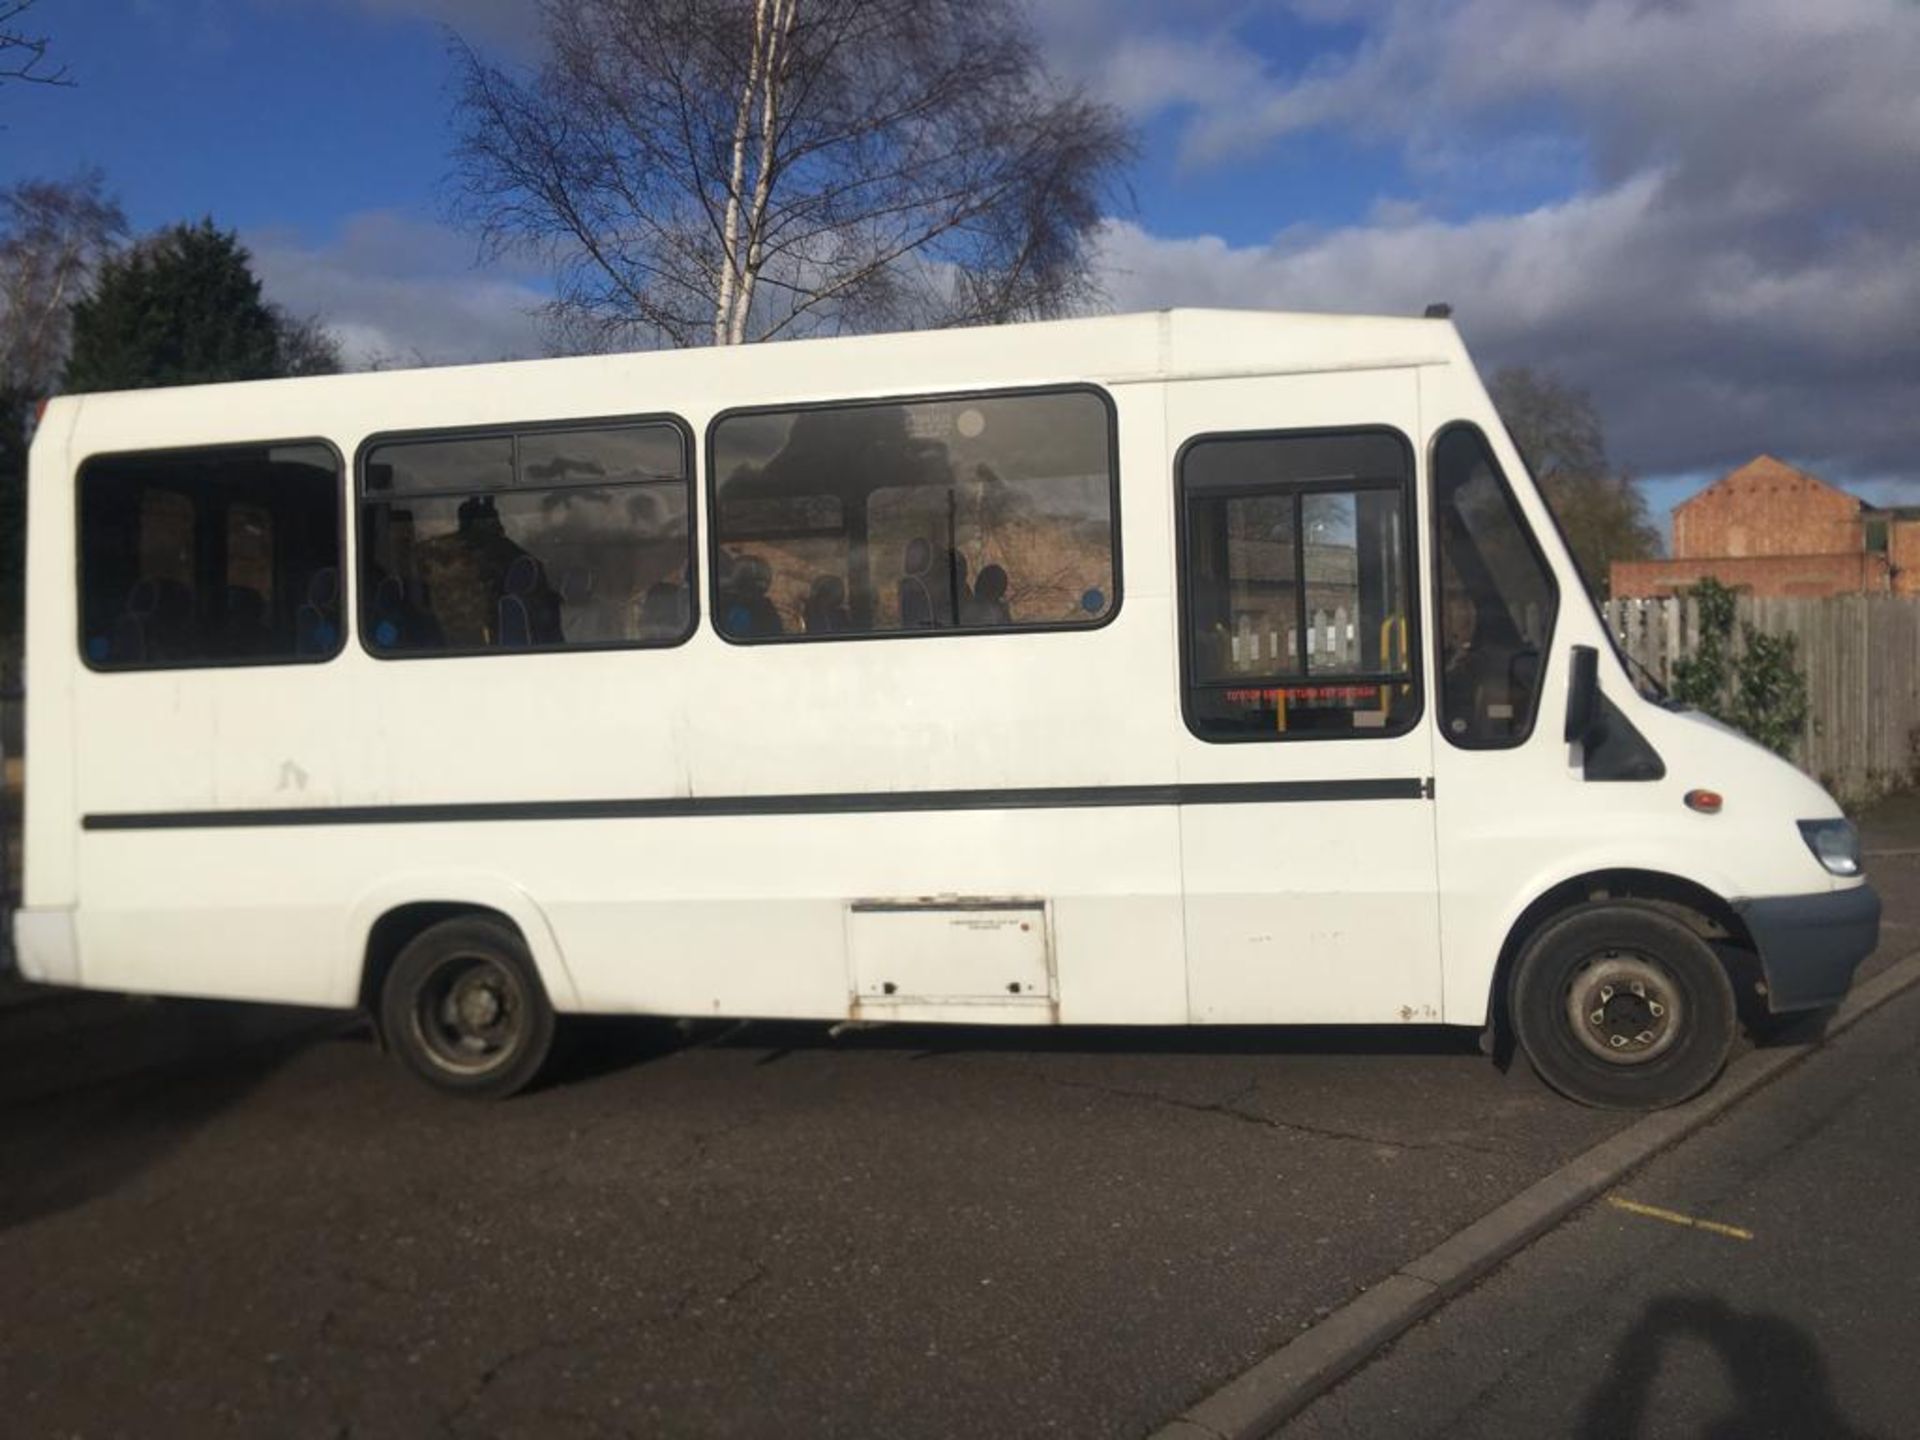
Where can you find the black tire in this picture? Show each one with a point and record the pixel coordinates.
(1621, 1006)
(464, 1009)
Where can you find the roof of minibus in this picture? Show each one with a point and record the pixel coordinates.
(1111, 349)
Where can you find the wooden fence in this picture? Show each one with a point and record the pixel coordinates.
(1861, 657)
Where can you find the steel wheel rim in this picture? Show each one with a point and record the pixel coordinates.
(1624, 1009)
(470, 1014)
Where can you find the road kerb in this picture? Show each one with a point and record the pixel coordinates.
(1259, 1400)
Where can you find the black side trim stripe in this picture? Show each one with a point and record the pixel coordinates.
(858, 803)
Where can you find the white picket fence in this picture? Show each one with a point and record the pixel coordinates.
(1333, 643)
(1861, 657)
(1333, 640)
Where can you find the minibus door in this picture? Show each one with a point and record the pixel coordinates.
(1307, 830)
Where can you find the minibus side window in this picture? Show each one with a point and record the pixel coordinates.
(1298, 585)
(975, 513)
(1497, 599)
(537, 538)
(219, 555)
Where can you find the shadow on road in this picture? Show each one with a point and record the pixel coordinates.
(1773, 1367)
(781, 1038)
(94, 1091)
(591, 1048)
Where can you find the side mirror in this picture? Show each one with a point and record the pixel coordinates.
(1583, 694)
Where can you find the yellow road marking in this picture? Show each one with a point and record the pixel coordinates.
(1674, 1217)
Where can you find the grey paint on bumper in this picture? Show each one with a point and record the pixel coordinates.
(1810, 945)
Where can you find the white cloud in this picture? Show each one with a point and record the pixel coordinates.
(1149, 56)
(402, 291)
(1696, 358)
(1734, 263)
(1734, 93)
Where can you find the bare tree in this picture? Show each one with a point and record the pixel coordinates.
(307, 346)
(1558, 430)
(53, 236)
(733, 170)
(23, 56)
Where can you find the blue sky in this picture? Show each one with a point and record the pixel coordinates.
(1707, 214)
(289, 115)
(266, 116)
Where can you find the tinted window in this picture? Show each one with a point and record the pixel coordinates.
(531, 540)
(1298, 578)
(991, 512)
(217, 556)
(1497, 599)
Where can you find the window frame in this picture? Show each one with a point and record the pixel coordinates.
(1534, 548)
(232, 662)
(508, 430)
(1409, 489)
(712, 497)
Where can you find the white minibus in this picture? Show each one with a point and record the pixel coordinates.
(1178, 668)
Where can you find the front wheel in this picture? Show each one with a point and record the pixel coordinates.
(464, 1010)
(1620, 1005)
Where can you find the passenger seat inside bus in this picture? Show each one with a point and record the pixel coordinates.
(244, 629)
(156, 619)
(316, 627)
(916, 598)
(747, 610)
(987, 605)
(400, 619)
(515, 630)
(663, 611)
(826, 610)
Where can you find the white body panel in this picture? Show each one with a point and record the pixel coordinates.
(1155, 911)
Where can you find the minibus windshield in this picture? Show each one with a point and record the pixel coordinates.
(1645, 683)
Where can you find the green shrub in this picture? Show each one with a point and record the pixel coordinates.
(1756, 686)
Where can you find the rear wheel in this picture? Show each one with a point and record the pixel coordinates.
(1620, 1005)
(464, 1010)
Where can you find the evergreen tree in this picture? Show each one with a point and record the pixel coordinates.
(183, 307)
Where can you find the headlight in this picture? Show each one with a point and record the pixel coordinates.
(1835, 844)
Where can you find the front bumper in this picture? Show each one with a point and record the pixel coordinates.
(1810, 945)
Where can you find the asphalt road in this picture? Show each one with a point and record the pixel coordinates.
(908, 1233)
(1800, 1319)
(247, 1221)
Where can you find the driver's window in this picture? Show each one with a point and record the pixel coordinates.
(1497, 599)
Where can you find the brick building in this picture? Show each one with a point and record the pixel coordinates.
(1772, 530)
